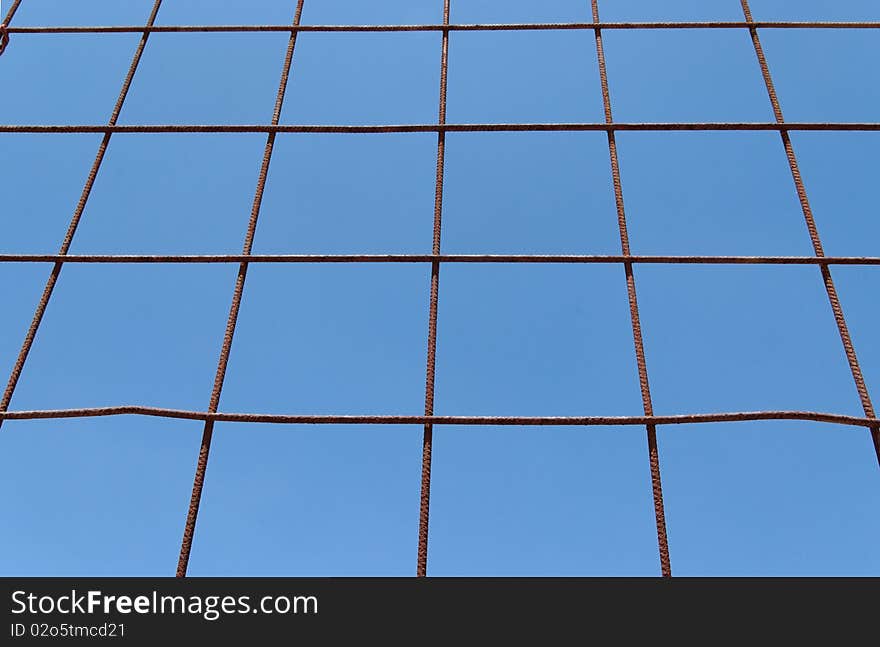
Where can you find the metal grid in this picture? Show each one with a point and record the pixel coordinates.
(436, 259)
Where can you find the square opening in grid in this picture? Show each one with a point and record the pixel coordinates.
(48, 175)
(845, 10)
(840, 176)
(23, 285)
(56, 13)
(330, 339)
(95, 497)
(825, 74)
(343, 194)
(364, 78)
(497, 77)
(328, 480)
(529, 193)
(129, 334)
(211, 12)
(668, 10)
(694, 75)
(520, 11)
(358, 12)
(207, 78)
(742, 338)
(703, 193)
(172, 194)
(63, 78)
(501, 502)
(771, 498)
(535, 340)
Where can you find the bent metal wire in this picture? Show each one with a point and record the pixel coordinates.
(436, 259)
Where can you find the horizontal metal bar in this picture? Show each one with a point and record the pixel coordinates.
(515, 421)
(442, 258)
(436, 128)
(549, 26)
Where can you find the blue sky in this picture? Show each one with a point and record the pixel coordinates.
(109, 496)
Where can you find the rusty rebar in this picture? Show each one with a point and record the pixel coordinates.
(436, 258)
(476, 421)
(223, 362)
(31, 334)
(433, 299)
(632, 297)
(545, 26)
(441, 258)
(813, 230)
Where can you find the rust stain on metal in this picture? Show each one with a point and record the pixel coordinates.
(441, 258)
(5, 30)
(437, 128)
(4, 38)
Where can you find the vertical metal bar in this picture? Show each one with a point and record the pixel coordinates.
(653, 452)
(77, 216)
(428, 437)
(836, 308)
(11, 13)
(207, 434)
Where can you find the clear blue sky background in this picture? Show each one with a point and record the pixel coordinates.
(109, 497)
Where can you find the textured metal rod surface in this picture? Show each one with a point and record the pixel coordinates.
(442, 258)
(813, 230)
(480, 421)
(342, 129)
(433, 301)
(632, 298)
(75, 219)
(545, 26)
(234, 309)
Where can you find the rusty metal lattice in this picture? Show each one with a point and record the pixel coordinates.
(437, 259)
